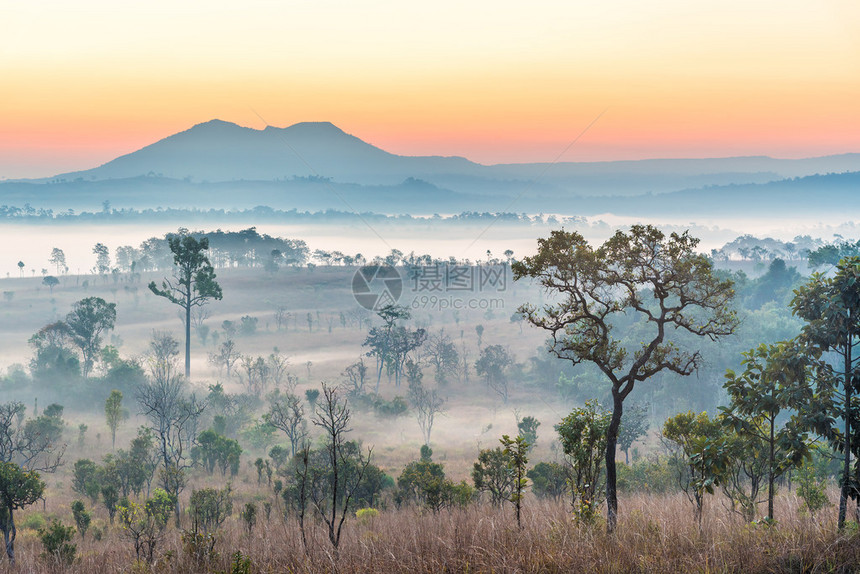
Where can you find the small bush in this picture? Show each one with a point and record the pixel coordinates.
(56, 539)
(34, 521)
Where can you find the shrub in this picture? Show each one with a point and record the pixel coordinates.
(56, 539)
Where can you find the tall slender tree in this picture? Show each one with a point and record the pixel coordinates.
(660, 280)
(830, 305)
(193, 283)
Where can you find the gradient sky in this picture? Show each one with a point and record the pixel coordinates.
(83, 82)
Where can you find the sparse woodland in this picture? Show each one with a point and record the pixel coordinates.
(277, 423)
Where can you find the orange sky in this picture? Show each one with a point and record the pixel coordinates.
(82, 83)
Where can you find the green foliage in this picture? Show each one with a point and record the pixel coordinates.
(493, 473)
(240, 564)
(634, 424)
(830, 306)
(82, 517)
(56, 540)
(33, 521)
(650, 475)
(700, 454)
(249, 516)
(217, 451)
(114, 413)
(423, 482)
(549, 480)
(583, 440)
(87, 321)
(85, 479)
(811, 489)
(527, 428)
(517, 450)
(209, 508)
(144, 524)
(774, 380)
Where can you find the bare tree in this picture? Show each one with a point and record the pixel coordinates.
(225, 357)
(333, 486)
(287, 414)
(427, 404)
(173, 414)
(26, 443)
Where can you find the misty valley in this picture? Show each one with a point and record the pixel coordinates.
(274, 350)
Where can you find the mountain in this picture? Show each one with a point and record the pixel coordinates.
(223, 151)
(316, 165)
(218, 151)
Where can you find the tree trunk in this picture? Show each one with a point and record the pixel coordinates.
(846, 470)
(188, 339)
(770, 471)
(9, 535)
(611, 443)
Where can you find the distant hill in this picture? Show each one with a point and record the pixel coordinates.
(316, 165)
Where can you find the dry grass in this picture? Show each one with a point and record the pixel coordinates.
(655, 534)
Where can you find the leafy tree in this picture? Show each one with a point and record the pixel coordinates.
(527, 428)
(423, 481)
(56, 540)
(55, 358)
(114, 413)
(144, 523)
(87, 321)
(85, 478)
(549, 480)
(633, 426)
(19, 488)
(492, 365)
(193, 282)
(774, 380)
(583, 440)
(830, 305)
(58, 259)
(209, 508)
(50, 282)
(700, 455)
(493, 473)
(517, 451)
(82, 517)
(660, 280)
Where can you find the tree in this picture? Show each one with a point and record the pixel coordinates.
(87, 321)
(426, 402)
(634, 425)
(172, 414)
(830, 305)
(517, 450)
(774, 380)
(82, 517)
(527, 428)
(660, 280)
(332, 501)
(583, 441)
(287, 413)
(58, 259)
(423, 481)
(193, 282)
(492, 365)
(102, 254)
(700, 455)
(494, 474)
(443, 356)
(19, 488)
(32, 444)
(50, 282)
(114, 414)
(21, 266)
